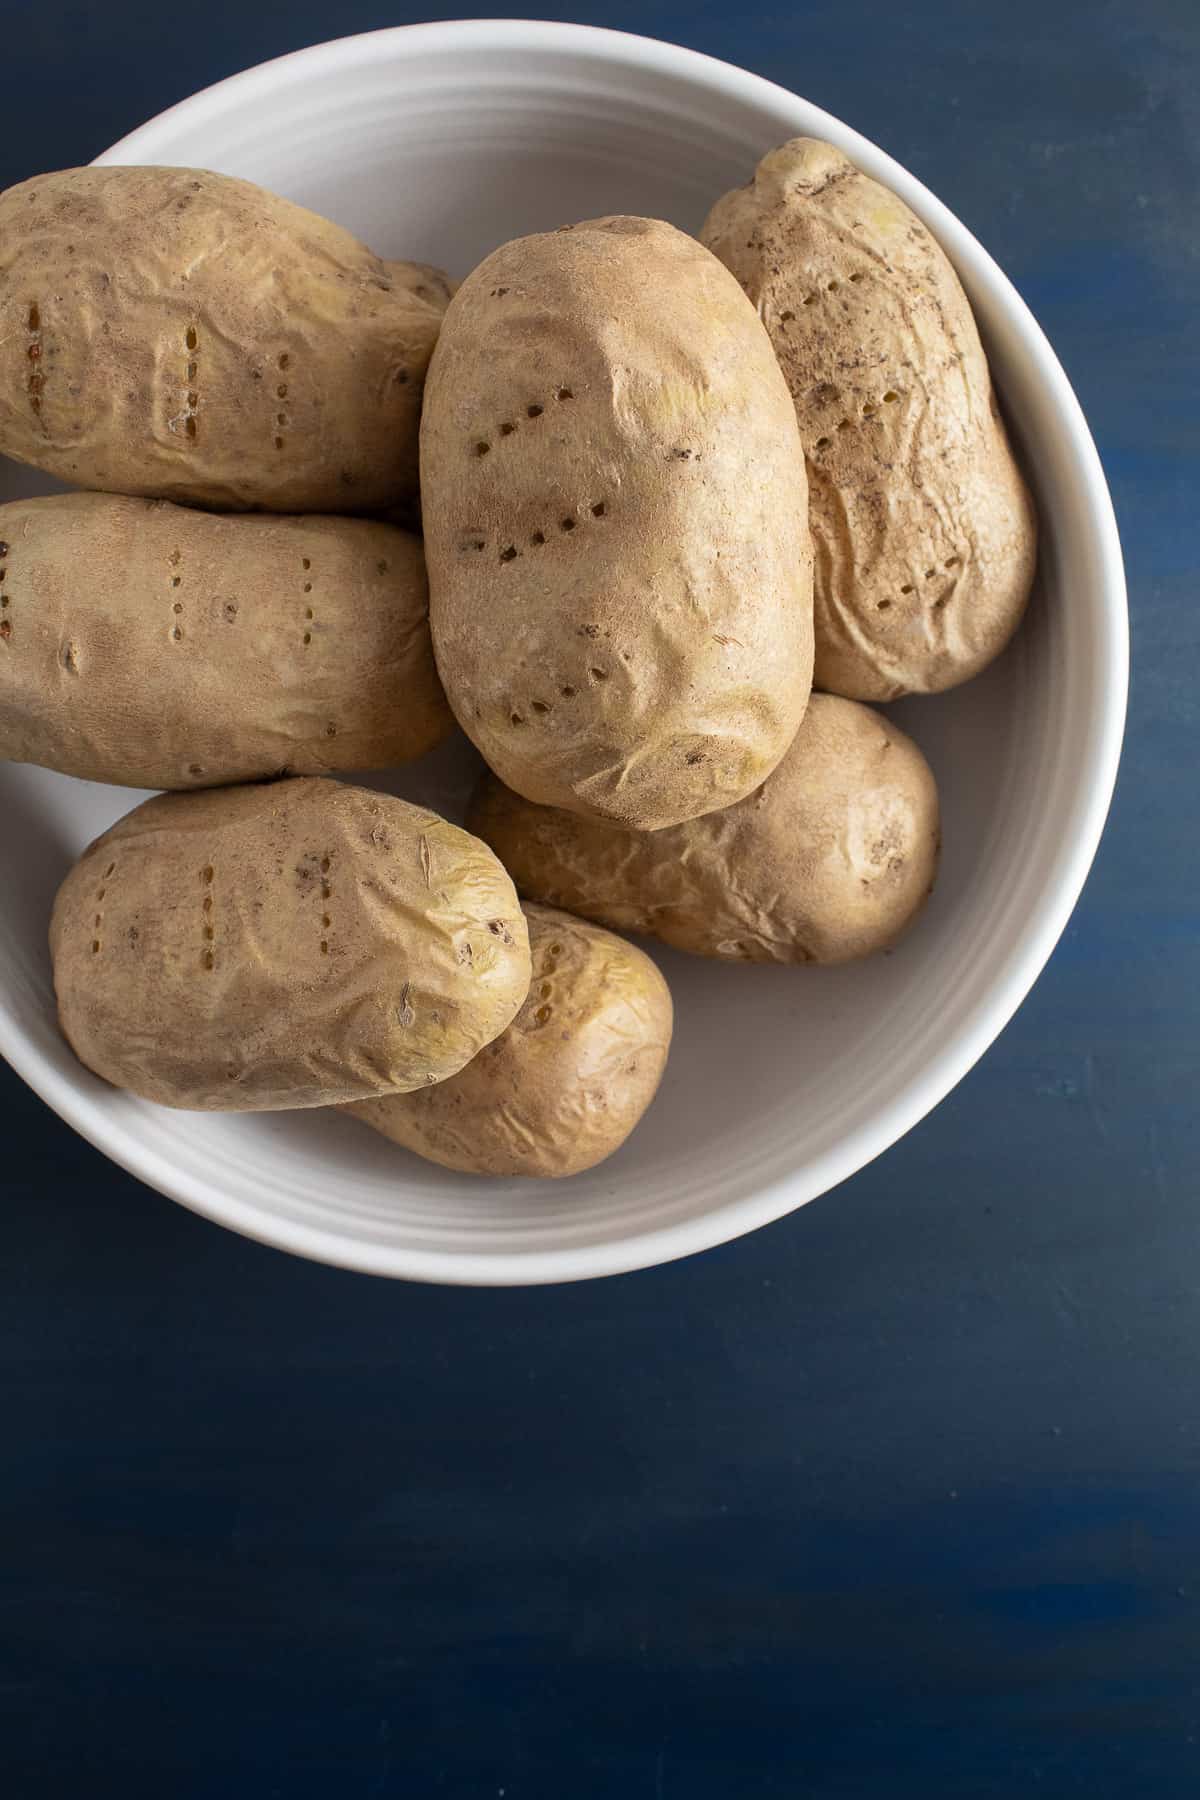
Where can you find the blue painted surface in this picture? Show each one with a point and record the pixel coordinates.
(900, 1496)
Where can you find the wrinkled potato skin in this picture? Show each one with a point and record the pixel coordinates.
(924, 532)
(148, 645)
(830, 860)
(565, 1085)
(299, 944)
(177, 333)
(615, 525)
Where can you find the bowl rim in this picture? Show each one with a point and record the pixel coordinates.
(921, 1091)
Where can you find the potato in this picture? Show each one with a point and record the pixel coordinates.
(299, 944)
(924, 531)
(182, 334)
(615, 525)
(830, 860)
(565, 1085)
(148, 645)
(423, 280)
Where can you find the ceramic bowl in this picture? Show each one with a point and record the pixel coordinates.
(437, 142)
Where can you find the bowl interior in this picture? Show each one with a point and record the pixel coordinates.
(437, 144)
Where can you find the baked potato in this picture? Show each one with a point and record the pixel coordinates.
(565, 1085)
(186, 335)
(924, 531)
(831, 859)
(302, 943)
(615, 525)
(149, 645)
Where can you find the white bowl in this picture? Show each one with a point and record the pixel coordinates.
(437, 142)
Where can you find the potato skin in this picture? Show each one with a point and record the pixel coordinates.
(615, 525)
(178, 333)
(148, 645)
(830, 860)
(299, 944)
(565, 1085)
(924, 532)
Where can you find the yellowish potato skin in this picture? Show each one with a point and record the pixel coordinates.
(615, 525)
(428, 283)
(299, 944)
(148, 645)
(830, 860)
(924, 532)
(182, 334)
(565, 1085)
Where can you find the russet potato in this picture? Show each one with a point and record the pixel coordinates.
(301, 943)
(187, 335)
(565, 1085)
(150, 645)
(923, 529)
(830, 860)
(615, 525)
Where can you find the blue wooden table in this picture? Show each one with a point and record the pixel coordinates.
(901, 1496)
